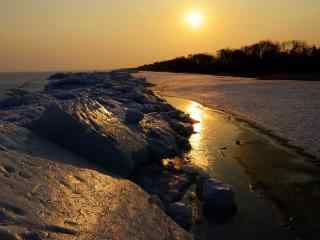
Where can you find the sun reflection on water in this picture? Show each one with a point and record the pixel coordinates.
(196, 112)
(197, 156)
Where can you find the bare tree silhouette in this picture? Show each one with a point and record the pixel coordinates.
(262, 58)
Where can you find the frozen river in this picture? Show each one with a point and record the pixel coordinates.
(289, 109)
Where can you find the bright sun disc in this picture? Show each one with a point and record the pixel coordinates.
(195, 19)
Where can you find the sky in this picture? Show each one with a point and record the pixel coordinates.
(55, 35)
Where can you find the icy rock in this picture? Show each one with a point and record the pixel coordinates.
(73, 80)
(48, 192)
(133, 116)
(162, 139)
(120, 75)
(218, 199)
(168, 185)
(181, 214)
(25, 99)
(89, 129)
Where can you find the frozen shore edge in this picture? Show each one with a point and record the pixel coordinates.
(84, 135)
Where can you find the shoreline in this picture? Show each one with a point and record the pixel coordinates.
(87, 132)
(281, 99)
(113, 124)
(131, 124)
(280, 140)
(313, 77)
(276, 172)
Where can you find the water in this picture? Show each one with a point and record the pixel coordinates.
(239, 155)
(223, 146)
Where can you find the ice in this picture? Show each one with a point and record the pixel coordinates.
(289, 109)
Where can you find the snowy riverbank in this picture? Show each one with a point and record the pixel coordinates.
(64, 152)
(290, 109)
(87, 134)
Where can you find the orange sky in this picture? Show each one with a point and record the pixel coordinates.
(100, 34)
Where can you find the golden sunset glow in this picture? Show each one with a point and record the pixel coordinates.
(195, 111)
(195, 19)
(81, 35)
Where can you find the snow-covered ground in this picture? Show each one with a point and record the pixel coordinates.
(290, 109)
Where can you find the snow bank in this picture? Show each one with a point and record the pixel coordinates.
(290, 109)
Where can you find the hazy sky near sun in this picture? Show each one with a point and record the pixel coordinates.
(99, 34)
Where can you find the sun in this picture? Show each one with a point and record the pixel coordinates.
(195, 19)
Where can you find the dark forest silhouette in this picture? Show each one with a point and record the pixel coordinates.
(260, 59)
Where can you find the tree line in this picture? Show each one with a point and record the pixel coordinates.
(262, 58)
